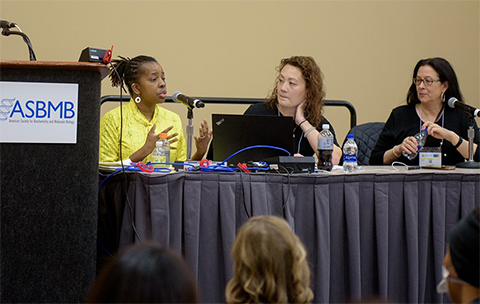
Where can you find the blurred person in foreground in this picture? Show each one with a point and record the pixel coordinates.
(145, 273)
(270, 264)
(461, 267)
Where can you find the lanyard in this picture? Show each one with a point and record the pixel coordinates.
(441, 113)
(294, 129)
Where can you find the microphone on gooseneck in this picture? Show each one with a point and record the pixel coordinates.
(455, 103)
(6, 24)
(190, 102)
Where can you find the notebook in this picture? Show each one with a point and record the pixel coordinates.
(232, 133)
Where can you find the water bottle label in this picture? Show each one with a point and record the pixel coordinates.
(326, 143)
(158, 159)
(160, 156)
(349, 157)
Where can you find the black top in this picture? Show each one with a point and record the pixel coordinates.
(304, 148)
(475, 301)
(263, 109)
(404, 121)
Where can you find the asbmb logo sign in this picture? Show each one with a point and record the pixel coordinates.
(36, 112)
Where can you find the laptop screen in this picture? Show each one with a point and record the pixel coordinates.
(233, 133)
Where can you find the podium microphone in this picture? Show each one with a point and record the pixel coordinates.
(190, 102)
(455, 103)
(6, 26)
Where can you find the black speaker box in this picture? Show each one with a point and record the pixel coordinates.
(92, 55)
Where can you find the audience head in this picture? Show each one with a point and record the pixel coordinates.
(129, 71)
(446, 75)
(461, 268)
(270, 264)
(313, 91)
(145, 273)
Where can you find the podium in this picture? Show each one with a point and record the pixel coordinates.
(49, 196)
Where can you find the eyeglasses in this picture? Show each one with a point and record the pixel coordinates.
(428, 82)
(442, 287)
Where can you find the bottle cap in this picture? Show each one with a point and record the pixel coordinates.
(350, 136)
(326, 126)
(163, 135)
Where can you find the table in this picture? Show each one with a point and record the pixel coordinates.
(379, 231)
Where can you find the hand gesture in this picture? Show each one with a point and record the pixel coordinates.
(300, 113)
(151, 139)
(201, 142)
(439, 132)
(409, 145)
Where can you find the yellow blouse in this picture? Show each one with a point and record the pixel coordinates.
(135, 130)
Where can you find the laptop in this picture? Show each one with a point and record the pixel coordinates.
(233, 133)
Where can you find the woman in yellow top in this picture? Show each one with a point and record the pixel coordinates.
(143, 118)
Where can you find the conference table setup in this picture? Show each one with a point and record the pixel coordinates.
(380, 231)
(100, 151)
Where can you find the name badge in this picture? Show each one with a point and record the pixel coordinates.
(431, 156)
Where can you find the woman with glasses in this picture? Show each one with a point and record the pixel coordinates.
(461, 267)
(434, 82)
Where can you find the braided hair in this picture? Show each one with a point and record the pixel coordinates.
(126, 70)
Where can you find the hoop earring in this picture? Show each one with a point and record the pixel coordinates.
(442, 97)
(138, 99)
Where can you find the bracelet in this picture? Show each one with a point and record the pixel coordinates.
(308, 131)
(460, 141)
(302, 123)
(393, 151)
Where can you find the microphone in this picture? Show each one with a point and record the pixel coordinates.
(190, 102)
(4, 24)
(455, 103)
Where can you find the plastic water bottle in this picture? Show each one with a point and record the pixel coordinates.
(325, 148)
(350, 151)
(421, 138)
(161, 153)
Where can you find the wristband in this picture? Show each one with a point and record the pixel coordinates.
(308, 131)
(302, 123)
(393, 151)
(460, 141)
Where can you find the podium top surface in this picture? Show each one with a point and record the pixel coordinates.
(58, 65)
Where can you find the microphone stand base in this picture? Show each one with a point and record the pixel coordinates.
(469, 165)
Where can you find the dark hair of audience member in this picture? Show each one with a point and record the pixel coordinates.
(145, 273)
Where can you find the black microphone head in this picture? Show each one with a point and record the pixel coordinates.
(452, 101)
(175, 96)
(6, 24)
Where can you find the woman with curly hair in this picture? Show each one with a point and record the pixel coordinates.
(270, 264)
(299, 92)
